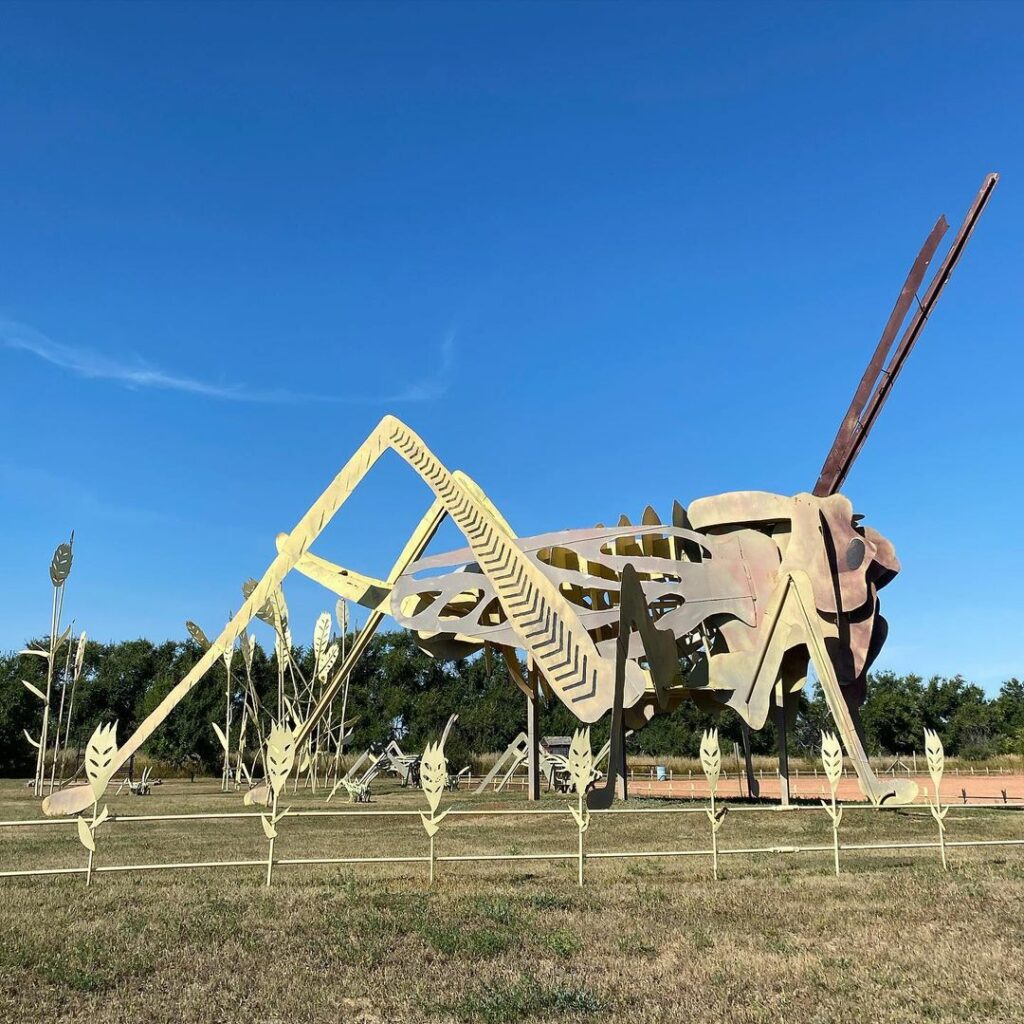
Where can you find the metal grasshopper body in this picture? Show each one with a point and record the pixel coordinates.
(711, 587)
(713, 579)
(728, 604)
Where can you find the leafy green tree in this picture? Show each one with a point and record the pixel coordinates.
(1010, 716)
(19, 710)
(186, 736)
(892, 714)
(399, 692)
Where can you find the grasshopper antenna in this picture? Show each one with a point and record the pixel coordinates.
(878, 379)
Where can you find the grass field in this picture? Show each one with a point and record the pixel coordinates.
(778, 938)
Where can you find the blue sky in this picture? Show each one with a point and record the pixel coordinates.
(598, 256)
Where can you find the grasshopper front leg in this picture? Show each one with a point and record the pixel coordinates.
(792, 618)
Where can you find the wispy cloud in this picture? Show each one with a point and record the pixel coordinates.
(432, 387)
(137, 374)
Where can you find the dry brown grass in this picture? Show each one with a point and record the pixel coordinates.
(894, 939)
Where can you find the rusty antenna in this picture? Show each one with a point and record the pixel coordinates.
(879, 378)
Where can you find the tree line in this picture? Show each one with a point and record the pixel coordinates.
(398, 692)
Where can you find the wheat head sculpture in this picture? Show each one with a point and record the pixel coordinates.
(100, 760)
(280, 759)
(580, 766)
(832, 761)
(711, 762)
(936, 757)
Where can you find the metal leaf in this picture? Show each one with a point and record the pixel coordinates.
(80, 654)
(268, 829)
(341, 614)
(220, 735)
(35, 743)
(582, 820)
(85, 835)
(248, 644)
(433, 823)
(279, 610)
(260, 794)
(34, 689)
(292, 713)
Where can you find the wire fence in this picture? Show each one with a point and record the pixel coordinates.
(583, 854)
(964, 786)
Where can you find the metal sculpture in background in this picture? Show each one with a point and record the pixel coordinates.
(64, 678)
(296, 696)
(553, 753)
(736, 595)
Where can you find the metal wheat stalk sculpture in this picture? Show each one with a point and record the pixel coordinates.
(251, 708)
(341, 614)
(65, 676)
(99, 766)
(274, 612)
(711, 762)
(223, 735)
(832, 760)
(227, 657)
(76, 675)
(433, 778)
(325, 654)
(60, 569)
(580, 765)
(280, 758)
(936, 757)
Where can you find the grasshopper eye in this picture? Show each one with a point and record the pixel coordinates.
(855, 554)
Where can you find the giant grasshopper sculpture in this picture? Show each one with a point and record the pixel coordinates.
(728, 603)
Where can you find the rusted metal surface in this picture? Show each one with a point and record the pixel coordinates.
(835, 464)
(869, 399)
